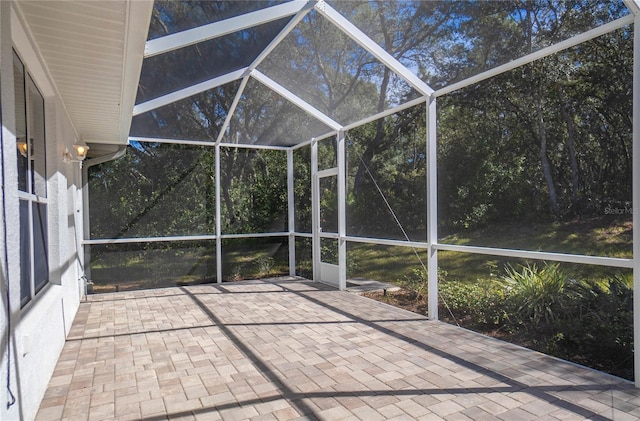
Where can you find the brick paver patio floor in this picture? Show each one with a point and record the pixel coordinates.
(290, 349)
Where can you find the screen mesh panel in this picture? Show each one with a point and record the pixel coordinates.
(447, 41)
(152, 265)
(154, 190)
(331, 72)
(537, 158)
(386, 178)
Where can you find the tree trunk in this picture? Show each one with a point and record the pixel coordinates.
(227, 200)
(152, 203)
(571, 148)
(544, 160)
(369, 152)
(367, 155)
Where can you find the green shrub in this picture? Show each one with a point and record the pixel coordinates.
(418, 283)
(599, 332)
(551, 308)
(482, 303)
(539, 293)
(265, 265)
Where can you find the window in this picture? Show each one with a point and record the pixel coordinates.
(32, 183)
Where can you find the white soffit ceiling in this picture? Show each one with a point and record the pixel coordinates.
(93, 51)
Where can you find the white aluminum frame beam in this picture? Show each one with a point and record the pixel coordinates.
(171, 141)
(633, 5)
(488, 251)
(432, 209)
(188, 91)
(331, 235)
(368, 44)
(206, 143)
(315, 211)
(635, 183)
(218, 29)
(301, 9)
(291, 215)
(295, 100)
(387, 242)
(329, 172)
(364, 121)
(218, 219)
(272, 45)
(254, 146)
(386, 113)
(342, 210)
(540, 255)
(317, 138)
(492, 251)
(537, 55)
(232, 109)
(255, 235)
(130, 240)
(285, 31)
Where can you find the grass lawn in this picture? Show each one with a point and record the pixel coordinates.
(606, 237)
(145, 266)
(588, 320)
(157, 265)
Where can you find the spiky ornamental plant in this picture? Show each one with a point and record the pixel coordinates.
(540, 292)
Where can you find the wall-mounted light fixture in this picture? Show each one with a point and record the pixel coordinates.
(80, 150)
(23, 146)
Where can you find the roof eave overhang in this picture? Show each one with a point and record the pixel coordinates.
(137, 27)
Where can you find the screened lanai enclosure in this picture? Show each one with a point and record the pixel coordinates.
(478, 153)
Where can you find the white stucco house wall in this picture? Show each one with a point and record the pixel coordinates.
(68, 73)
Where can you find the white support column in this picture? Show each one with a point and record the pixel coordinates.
(292, 214)
(636, 197)
(315, 211)
(432, 208)
(84, 251)
(342, 212)
(218, 222)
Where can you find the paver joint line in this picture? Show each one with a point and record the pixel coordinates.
(292, 349)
